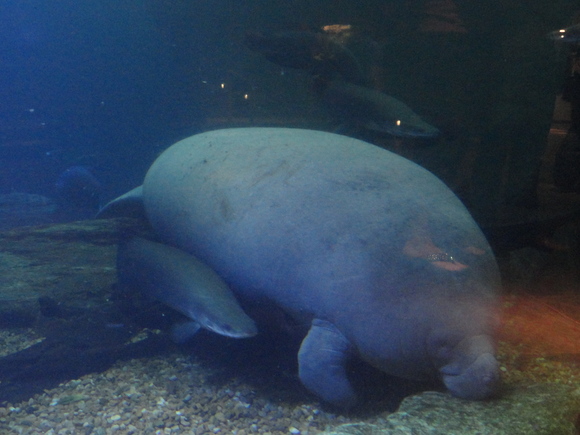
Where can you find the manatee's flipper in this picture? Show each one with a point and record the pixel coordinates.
(322, 364)
(128, 205)
(184, 283)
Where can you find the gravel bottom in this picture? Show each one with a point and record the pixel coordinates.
(12, 341)
(175, 393)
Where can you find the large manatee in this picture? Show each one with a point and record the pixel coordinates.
(372, 252)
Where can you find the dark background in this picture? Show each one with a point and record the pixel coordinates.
(110, 84)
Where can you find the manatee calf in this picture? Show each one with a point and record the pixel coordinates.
(374, 254)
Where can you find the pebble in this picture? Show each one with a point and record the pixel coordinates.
(132, 398)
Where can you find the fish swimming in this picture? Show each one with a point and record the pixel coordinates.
(371, 109)
(372, 256)
(317, 53)
(180, 281)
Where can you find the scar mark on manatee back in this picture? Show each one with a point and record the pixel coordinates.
(279, 168)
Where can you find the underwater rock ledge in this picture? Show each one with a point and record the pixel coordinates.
(72, 263)
(543, 409)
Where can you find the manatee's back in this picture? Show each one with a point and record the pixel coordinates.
(292, 214)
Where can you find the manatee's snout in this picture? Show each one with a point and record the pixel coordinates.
(479, 381)
(474, 374)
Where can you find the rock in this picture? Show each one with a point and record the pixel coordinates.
(59, 279)
(550, 409)
(72, 263)
(18, 208)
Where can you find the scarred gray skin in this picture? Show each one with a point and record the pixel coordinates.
(339, 234)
